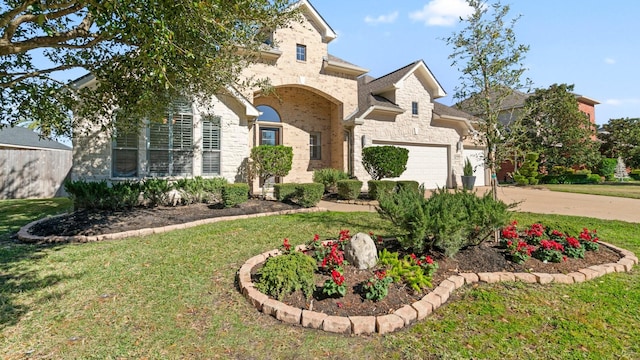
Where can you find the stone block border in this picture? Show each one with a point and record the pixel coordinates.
(408, 314)
(25, 236)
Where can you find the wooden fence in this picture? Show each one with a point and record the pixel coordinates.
(33, 173)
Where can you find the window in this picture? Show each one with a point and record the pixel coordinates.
(267, 113)
(170, 150)
(124, 153)
(301, 52)
(211, 145)
(414, 108)
(315, 147)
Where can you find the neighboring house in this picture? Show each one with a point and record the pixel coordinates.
(31, 167)
(319, 107)
(512, 108)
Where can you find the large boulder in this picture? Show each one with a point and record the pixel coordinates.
(361, 251)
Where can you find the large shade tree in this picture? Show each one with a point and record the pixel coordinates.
(554, 127)
(490, 60)
(143, 54)
(621, 138)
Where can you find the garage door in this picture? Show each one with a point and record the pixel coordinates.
(427, 165)
(477, 161)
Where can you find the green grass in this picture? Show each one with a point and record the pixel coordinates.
(173, 295)
(17, 213)
(629, 189)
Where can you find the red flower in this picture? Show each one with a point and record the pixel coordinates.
(573, 242)
(286, 244)
(337, 277)
(413, 256)
(551, 245)
(344, 235)
(381, 274)
(316, 237)
(556, 233)
(428, 259)
(380, 240)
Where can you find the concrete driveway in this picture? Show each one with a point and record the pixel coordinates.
(546, 202)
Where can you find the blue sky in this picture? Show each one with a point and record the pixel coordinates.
(591, 44)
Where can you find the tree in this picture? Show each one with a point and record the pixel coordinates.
(271, 160)
(143, 54)
(621, 138)
(490, 60)
(558, 130)
(385, 161)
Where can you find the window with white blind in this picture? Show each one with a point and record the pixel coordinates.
(124, 154)
(170, 151)
(211, 145)
(315, 146)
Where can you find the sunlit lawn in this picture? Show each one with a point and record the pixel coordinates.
(172, 296)
(629, 189)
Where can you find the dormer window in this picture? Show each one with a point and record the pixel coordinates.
(414, 108)
(301, 52)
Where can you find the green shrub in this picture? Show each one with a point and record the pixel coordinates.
(200, 190)
(329, 178)
(87, 194)
(448, 221)
(384, 161)
(284, 274)
(528, 173)
(284, 192)
(607, 167)
(594, 179)
(271, 160)
(156, 191)
(234, 194)
(377, 187)
(520, 179)
(125, 194)
(409, 185)
(404, 270)
(349, 189)
(635, 174)
(583, 172)
(309, 195)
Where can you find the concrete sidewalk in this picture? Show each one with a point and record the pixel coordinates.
(544, 202)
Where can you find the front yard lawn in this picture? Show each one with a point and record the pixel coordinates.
(173, 295)
(629, 189)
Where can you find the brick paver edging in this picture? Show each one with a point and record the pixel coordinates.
(25, 236)
(408, 314)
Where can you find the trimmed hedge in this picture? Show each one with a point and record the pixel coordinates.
(234, 194)
(349, 189)
(329, 177)
(378, 187)
(635, 174)
(572, 179)
(409, 185)
(306, 195)
(384, 161)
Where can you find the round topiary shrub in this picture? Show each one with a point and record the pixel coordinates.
(284, 274)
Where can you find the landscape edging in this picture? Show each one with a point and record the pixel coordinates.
(24, 235)
(408, 314)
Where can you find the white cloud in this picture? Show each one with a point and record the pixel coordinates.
(442, 12)
(382, 19)
(619, 102)
(609, 61)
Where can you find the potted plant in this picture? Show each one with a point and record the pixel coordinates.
(468, 179)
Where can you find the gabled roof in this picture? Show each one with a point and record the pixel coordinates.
(394, 80)
(334, 63)
(326, 31)
(23, 138)
(452, 115)
(371, 90)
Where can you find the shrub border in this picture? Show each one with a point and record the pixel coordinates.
(408, 314)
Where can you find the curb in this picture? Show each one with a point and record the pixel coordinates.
(409, 314)
(26, 237)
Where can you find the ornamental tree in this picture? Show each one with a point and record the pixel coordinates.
(490, 60)
(558, 130)
(385, 161)
(621, 138)
(271, 160)
(143, 54)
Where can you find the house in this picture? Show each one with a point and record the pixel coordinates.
(322, 106)
(512, 107)
(31, 167)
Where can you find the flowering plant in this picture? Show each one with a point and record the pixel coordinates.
(377, 287)
(334, 258)
(534, 234)
(556, 235)
(426, 263)
(589, 239)
(286, 247)
(549, 251)
(573, 248)
(520, 251)
(509, 232)
(335, 285)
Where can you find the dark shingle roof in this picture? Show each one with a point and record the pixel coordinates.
(444, 110)
(21, 137)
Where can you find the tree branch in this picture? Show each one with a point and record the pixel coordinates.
(27, 75)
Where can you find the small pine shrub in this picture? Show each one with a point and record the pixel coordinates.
(407, 210)
(329, 178)
(284, 274)
(377, 187)
(234, 194)
(349, 189)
